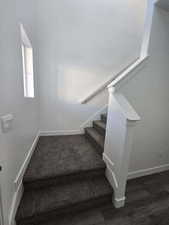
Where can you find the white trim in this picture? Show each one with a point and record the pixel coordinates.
(119, 202)
(95, 116)
(60, 132)
(87, 123)
(128, 111)
(126, 72)
(147, 28)
(117, 78)
(149, 171)
(111, 176)
(142, 57)
(15, 203)
(23, 167)
(1, 209)
(24, 37)
(18, 182)
(108, 161)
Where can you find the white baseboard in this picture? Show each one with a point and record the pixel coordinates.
(15, 203)
(108, 161)
(134, 174)
(60, 132)
(87, 123)
(95, 116)
(149, 171)
(111, 177)
(18, 191)
(22, 170)
(119, 202)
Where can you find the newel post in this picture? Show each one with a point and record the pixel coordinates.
(121, 121)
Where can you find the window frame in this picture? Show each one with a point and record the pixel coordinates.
(27, 64)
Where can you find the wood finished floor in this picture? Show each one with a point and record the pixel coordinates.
(147, 203)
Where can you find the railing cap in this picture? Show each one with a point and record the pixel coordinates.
(128, 111)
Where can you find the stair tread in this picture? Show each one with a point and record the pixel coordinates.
(104, 117)
(96, 136)
(100, 124)
(62, 155)
(87, 217)
(58, 197)
(104, 114)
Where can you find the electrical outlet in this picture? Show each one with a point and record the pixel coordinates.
(6, 123)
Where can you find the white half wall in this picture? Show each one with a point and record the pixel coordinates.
(81, 45)
(148, 92)
(15, 144)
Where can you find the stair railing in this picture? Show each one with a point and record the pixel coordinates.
(122, 119)
(103, 86)
(135, 63)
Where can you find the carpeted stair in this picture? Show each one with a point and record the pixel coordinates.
(96, 134)
(66, 175)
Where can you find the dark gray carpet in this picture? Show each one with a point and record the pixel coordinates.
(62, 155)
(66, 174)
(59, 197)
(85, 196)
(100, 126)
(96, 134)
(96, 139)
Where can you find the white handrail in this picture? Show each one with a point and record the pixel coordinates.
(115, 79)
(143, 56)
(128, 71)
(105, 84)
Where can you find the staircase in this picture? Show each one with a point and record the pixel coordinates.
(96, 134)
(66, 175)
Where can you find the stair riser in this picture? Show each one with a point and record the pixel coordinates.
(36, 220)
(94, 143)
(104, 118)
(38, 184)
(99, 129)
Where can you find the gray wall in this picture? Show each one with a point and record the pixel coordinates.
(82, 44)
(15, 144)
(163, 4)
(148, 92)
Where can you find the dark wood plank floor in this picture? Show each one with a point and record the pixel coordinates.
(147, 203)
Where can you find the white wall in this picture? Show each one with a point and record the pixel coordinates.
(81, 44)
(77, 45)
(15, 144)
(148, 92)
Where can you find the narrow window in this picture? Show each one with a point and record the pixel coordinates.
(27, 61)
